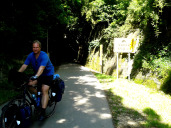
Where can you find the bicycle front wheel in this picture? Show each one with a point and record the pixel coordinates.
(9, 112)
(8, 116)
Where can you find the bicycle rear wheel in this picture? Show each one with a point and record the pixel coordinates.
(9, 112)
(51, 106)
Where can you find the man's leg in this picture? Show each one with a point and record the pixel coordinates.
(45, 96)
(45, 80)
(44, 101)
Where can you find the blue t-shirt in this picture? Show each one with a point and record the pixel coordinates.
(42, 60)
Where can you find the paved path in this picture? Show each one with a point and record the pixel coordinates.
(83, 105)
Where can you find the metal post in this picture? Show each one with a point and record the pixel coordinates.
(47, 41)
(48, 44)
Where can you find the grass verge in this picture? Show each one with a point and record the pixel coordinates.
(6, 95)
(134, 105)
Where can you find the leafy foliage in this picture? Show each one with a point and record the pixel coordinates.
(123, 17)
(77, 26)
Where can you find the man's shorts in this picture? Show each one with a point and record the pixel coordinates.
(47, 80)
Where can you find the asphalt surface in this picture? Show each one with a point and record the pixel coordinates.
(83, 104)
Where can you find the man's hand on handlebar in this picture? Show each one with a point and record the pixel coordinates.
(34, 77)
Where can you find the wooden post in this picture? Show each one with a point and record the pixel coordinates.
(117, 67)
(101, 57)
(129, 66)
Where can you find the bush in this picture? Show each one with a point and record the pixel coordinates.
(166, 86)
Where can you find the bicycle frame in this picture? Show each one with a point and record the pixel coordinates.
(27, 95)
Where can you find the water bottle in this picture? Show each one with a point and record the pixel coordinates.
(34, 97)
(38, 99)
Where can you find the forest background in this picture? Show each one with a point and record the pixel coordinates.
(73, 30)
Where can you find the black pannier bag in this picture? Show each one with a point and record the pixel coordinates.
(58, 88)
(23, 118)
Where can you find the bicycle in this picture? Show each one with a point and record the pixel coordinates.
(9, 116)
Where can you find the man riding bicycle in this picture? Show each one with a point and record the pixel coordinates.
(43, 73)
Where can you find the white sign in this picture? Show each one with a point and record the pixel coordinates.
(125, 45)
(122, 45)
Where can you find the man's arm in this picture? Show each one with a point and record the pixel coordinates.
(40, 71)
(23, 68)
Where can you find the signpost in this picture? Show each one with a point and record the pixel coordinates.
(124, 45)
